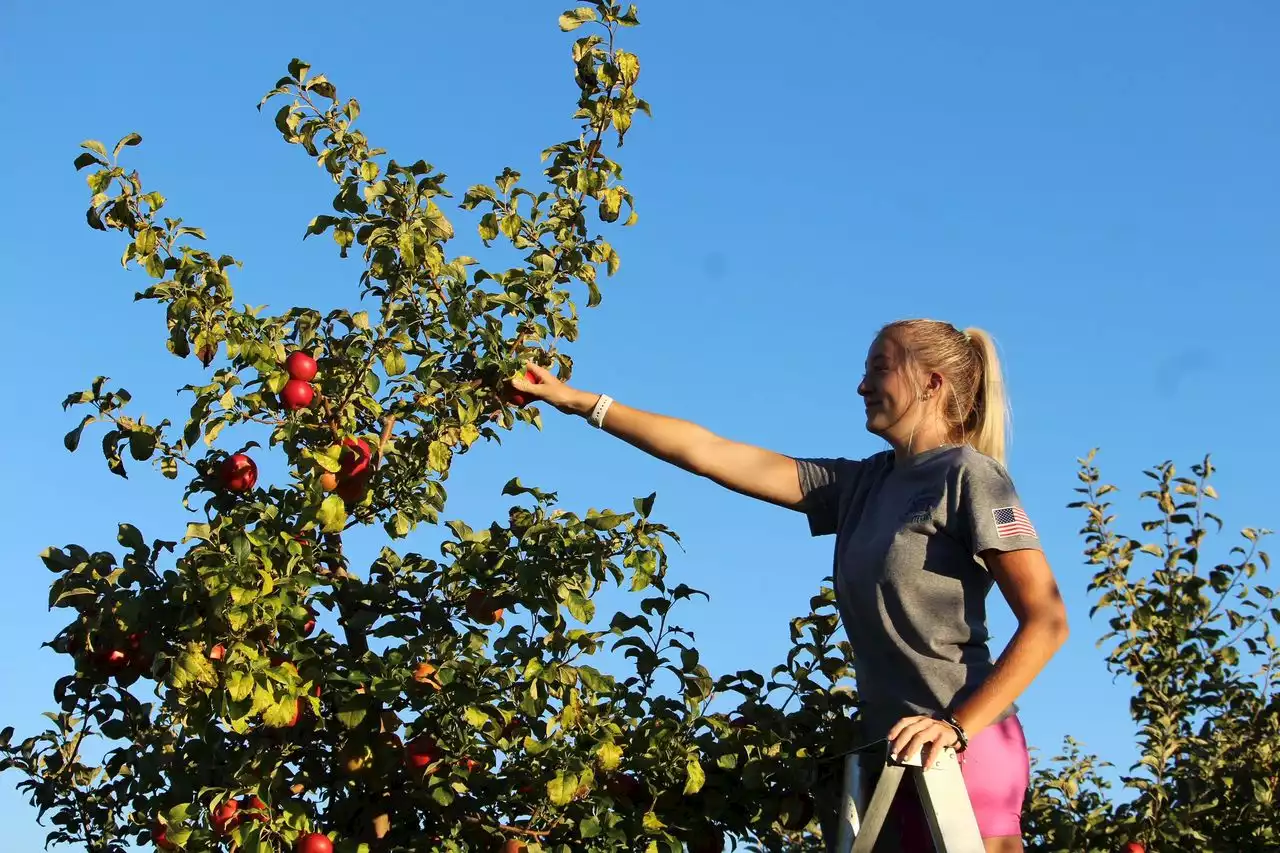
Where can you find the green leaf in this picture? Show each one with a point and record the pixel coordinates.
(72, 439)
(130, 139)
(399, 525)
(94, 145)
(72, 593)
(332, 514)
(475, 717)
(360, 320)
(575, 18)
(582, 608)
(589, 827)
(142, 444)
(393, 362)
(193, 669)
(562, 788)
(239, 686)
(87, 159)
(178, 813)
(131, 538)
(353, 709)
(644, 506)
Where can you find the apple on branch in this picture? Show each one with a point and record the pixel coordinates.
(238, 473)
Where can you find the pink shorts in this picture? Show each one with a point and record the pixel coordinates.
(997, 772)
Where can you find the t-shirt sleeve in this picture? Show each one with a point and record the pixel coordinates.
(822, 482)
(990, 512)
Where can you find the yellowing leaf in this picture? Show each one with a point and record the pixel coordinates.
(696, 777)
(562, 788)
(573, 19)
(282, 713)
(438, 456)
(194, 669)
(609, 755)
(628, 66)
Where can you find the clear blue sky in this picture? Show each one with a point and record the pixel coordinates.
(1096, 184)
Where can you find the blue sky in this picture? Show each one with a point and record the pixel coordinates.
(1096, 184)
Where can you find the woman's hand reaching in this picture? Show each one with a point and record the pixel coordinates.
(538, 383)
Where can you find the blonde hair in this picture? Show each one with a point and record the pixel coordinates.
(976, 410)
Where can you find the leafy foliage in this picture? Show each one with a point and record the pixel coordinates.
(1198, 641)
(476, 699)
(454, 705)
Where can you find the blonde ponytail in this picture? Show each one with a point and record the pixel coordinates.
(975, 411)
(987, 427)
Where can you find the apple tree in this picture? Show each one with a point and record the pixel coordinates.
(1198, 640)
(244, 685)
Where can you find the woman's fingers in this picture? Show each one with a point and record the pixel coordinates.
(924, 736)
(541, 373)
(903, 734)
(533, 380)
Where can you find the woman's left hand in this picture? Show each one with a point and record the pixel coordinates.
(910, 735)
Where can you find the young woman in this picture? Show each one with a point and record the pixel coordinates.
(923, 530)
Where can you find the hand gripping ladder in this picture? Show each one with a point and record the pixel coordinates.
(943, 798)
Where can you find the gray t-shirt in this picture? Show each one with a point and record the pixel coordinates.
(909, 583)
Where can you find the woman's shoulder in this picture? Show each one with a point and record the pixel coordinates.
(970, 460)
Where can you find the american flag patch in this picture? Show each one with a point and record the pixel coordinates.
(1012, 521)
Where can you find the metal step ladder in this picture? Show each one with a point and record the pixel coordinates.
(943, 798)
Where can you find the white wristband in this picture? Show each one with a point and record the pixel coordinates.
(597, 414)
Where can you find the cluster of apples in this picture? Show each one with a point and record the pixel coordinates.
(298, 392)
(351, 481)
(230, 814)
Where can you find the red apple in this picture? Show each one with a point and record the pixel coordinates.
(160, 837)
(469, 764)
(314, 842)
(513, 846)
(517, 398)
(356, 457)
(256, 805)
(1135, 847)
(113, 660)
(481, 608)
(352, 489)
(708, 840)
(796, 812)
(421, 752)
(301, 366)
(225, 818)
(296, 394)
(310, 624)
(218, 652)
(623, 786)
(238, 473)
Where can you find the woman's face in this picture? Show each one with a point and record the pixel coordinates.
(887, 390)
